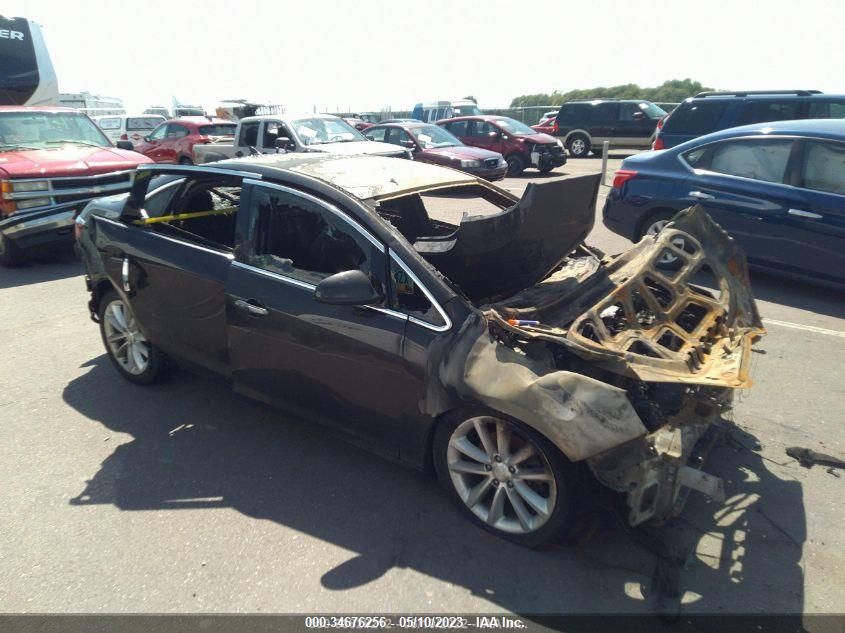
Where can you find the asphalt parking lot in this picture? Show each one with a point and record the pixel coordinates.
(184, 497)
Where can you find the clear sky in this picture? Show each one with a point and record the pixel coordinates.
(363, 55)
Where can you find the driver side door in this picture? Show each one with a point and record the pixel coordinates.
(338, 365)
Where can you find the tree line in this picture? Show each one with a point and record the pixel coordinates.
(672, 91)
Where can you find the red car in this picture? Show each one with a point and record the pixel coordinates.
(521, 146)
(432, 144)
(173, 141)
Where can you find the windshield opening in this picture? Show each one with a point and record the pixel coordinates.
(432, 136)
(44, 130)
(317, 130)
(513, 126)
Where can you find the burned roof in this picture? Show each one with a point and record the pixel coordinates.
(364, 177)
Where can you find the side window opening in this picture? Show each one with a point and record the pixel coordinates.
(300, 239)
(764, 160)
(203, 212)
(823, 167)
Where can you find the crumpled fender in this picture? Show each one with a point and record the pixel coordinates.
(580, 415)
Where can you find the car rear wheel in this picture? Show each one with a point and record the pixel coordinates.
(651, 227)
(579, 146)
(505, 477)
(135, 358)
(516, 164)
(10, 254)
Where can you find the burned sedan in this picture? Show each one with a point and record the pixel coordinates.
(497, 348)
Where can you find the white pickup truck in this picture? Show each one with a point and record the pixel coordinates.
(271, 133)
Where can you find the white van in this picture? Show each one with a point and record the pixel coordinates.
(27, 77)
(128, 127)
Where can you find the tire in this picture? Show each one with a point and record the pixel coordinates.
(140, 363)
(489, 484)
(516, 164)
(10, 254)
(185, 161)
(545, 170)
(578, 146)
(652, 225)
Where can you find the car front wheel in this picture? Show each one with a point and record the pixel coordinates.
(135, 358)
(516, 164)
(10, 254)
(654, 225)
(579, 146)
(507, 478)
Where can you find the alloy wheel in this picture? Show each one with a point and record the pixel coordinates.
(666, 258)
(578, 147)
(501, 475)
(126, 343)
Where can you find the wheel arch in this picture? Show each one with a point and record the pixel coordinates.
(647, 218)
(574, 132)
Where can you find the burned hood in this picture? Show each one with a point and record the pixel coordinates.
(494, 256)
(693, 325)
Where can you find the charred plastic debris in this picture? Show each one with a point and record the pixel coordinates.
(621, 363)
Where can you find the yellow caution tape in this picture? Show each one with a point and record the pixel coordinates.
(185, 216)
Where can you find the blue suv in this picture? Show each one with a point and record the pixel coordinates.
(778, 188)
(709, 112)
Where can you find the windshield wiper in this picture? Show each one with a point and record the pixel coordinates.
(75, 142)
(5, 147)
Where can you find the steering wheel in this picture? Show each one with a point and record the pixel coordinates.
(335, 138)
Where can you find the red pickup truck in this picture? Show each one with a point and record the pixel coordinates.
(52, 162)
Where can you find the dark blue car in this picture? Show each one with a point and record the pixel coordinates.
(778, 188)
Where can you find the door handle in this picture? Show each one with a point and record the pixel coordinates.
(253, 308)
(805, 214)
(700, 195)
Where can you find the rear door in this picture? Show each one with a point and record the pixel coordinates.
(604, 122)
(743, 184)
(341, 365)
(175, 283)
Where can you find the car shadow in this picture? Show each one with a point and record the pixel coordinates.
(805, 295)
(197, 445)
(42, 267)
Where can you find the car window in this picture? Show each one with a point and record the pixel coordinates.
(175, 130)
(573, 115)
(605, 113)
(823, 167)
(827, 109)
(480, 129)
(409, 298)
(142, 123)
(218, 129)
(751, 158)
(109, 124)
(299, 238)
(272, 131)
(249, 133)
(756, 111)
(376, 134)
(458, 128)
(398, 136)
(627, 111)
(696, 118)
(158, 133)
(159, 197)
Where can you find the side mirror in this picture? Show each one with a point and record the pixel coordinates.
(639, 116)
(409, 144)
(349, 288)
(494, 134)
(283, 142)
(147, 138)
(125, 145)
